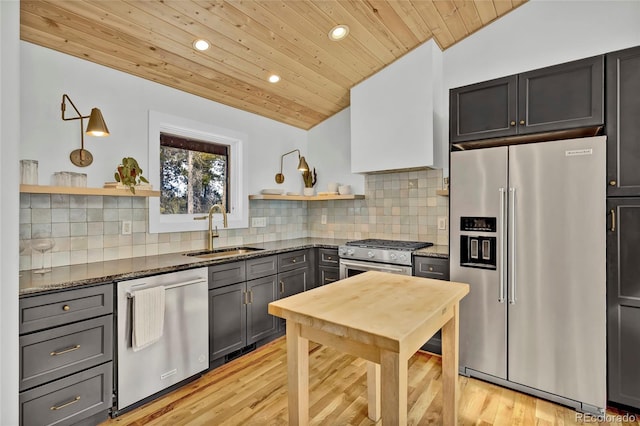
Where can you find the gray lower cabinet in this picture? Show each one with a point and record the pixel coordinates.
(239, 295)
(328, 266)
(436, 268)
(66, 352)
(623, 126)
(623, 300)
(295, 272)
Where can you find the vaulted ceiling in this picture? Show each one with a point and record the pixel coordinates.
(252, 39)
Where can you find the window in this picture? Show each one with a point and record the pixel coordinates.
(193, 175)
(196, 166)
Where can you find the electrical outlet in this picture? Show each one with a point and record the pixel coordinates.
(323, 219)
(442, 222)
(126, 227)
(258, 222)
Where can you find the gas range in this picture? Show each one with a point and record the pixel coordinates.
(382, 251)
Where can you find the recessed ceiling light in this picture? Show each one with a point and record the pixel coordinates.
(274, 78)
(201, 44)
(338, 32)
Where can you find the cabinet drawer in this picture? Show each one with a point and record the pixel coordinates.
(262, 267)
(51, 354)
(69, 400)
(431, 267)
(328, 257)
(293, 260)
(227, 273)
(50, 310)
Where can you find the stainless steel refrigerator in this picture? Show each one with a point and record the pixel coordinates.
(528, 235)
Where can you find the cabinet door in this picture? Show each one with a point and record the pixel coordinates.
(431, 267)
(292, 282)
(227, 320)
(483, 110)
(565, 96)
(328, 275)
(623, 299)
(260, 323)
(623, 125)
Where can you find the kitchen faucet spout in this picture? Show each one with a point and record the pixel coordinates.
(211, 233)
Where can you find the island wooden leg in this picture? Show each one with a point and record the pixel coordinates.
(450, 335)
(297, 375)
(394, 388)
(373, 390)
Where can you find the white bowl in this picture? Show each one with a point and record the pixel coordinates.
(344, 189)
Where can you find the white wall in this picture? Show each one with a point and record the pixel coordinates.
(9, 137)
(330, 153)
(125, 101)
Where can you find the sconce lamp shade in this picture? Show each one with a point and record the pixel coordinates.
(303, 166)
(96, 125)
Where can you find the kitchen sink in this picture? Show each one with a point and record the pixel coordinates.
(223, 252)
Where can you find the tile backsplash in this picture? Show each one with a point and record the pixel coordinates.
(88, 228)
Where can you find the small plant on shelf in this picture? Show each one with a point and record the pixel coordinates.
(309, 178)
(130, 174)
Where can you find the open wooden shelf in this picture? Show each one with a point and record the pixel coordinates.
(442, 192)
(305, 198)
(73, 190)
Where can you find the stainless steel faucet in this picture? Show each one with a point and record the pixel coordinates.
(213, 235)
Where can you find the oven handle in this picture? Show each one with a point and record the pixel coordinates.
(371, 267)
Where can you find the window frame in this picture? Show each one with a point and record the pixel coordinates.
(238, 210)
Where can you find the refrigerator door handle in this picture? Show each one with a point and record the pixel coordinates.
(502, 237)
(512, 213)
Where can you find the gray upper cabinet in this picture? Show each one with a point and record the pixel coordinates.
(484, 110)
(560, 97)
(623, 123)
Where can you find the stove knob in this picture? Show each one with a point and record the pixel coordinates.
(392, 256)
(370, 255)
(403, 257)
(342, 252)
(350, 252)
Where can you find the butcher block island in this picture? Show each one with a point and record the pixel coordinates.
(383, 318)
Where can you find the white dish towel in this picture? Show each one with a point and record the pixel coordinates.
(148, 317)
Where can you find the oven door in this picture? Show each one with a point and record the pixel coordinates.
(349, 268)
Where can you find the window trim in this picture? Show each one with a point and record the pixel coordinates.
(238, 216)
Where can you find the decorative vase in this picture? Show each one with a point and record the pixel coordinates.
(309, 192)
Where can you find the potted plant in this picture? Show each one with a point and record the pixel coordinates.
(309, 179)
(130, 174)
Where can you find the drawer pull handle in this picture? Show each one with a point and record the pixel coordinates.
(329, 258)
(294, 260)
(281, 286)
(64, 351)
(66, 307)
(66, 404)
(250, 297)
(430, 268)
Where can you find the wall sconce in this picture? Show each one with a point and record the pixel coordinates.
(96, 127)
(302, 165)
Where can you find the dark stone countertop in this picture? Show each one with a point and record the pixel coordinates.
(438, 251)
(65, 277)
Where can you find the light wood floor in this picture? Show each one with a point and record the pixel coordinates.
(252, 390)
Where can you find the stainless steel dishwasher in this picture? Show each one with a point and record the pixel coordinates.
(183, 349)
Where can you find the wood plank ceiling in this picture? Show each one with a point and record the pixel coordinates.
(251, 39)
